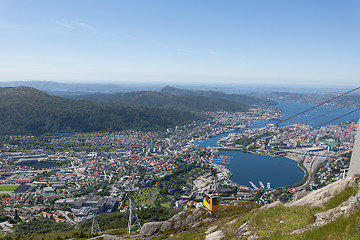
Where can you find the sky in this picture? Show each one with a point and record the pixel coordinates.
(301, 42)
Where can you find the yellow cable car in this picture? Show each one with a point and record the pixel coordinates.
(211, 201)
(211, 197)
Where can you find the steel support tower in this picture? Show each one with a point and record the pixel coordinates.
(95, 225)
(133, 217)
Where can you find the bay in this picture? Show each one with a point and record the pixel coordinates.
(279, 171)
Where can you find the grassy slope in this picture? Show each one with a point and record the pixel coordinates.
(277, 222)
(273, 223)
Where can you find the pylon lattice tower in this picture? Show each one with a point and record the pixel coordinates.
(133, 217)
(214, 183)
(95, 225)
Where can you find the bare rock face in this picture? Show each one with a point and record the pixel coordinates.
(345, 209)
(253, 237)
(215, 235)
(150, 228)
(165, 226)
(176, 221)
(194, 216)
(243, 231)
(319, 197)
(211, 229)
(274, 204)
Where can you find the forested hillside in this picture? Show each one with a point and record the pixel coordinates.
(157, 99)
(241, 98)
(25, 110)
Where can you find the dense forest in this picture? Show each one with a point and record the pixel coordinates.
(240, 98)
(181, 99)
(25, 110)
(157, 99)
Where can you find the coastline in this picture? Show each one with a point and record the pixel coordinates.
(291, 156)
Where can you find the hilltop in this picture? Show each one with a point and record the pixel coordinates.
(240, 98)
(182, 99)
(25, 110)
(158, 99)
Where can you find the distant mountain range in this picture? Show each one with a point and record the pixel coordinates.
(71, 89)
(182, 99)
(25, 110)
(240, 98)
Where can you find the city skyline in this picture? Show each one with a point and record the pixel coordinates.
(204, 42)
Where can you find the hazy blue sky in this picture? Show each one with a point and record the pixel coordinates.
(230, 41)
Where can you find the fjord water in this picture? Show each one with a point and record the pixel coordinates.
(279, 171)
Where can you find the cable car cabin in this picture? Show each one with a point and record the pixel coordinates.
(211, 201)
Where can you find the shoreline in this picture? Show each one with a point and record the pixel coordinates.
(294, 157)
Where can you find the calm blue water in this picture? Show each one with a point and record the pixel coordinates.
(279, 171)
(316, 116)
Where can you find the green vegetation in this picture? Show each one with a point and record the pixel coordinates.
(157, 99)
(277, 222)
(170, 186)
(271, 223)
(303, 180)
(25, 110)
(72, 234)
(343, 228)
(42, 225)
(45, 145)
(120, 220)
(341, 197)
(241, 98)
(225, 215)
(245, 141)
(8, 187)
(281, 220)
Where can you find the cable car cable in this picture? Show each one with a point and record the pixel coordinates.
(322, 115)
(339, 117)
(320, 104)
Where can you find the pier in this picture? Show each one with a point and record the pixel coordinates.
(253, 185)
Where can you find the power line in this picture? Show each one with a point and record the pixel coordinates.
(338, 117)
(307, 133)
(322, 115)
(332, 99)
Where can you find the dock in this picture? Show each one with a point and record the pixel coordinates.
(253, 185)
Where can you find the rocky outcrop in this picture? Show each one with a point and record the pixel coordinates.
(215, 235)
(211, 229)
(319, 197)
(176, 221)
(243, 231)
(273, 204)
(150, 228)
(344, 210)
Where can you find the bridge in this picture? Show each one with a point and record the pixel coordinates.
(226, 148)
